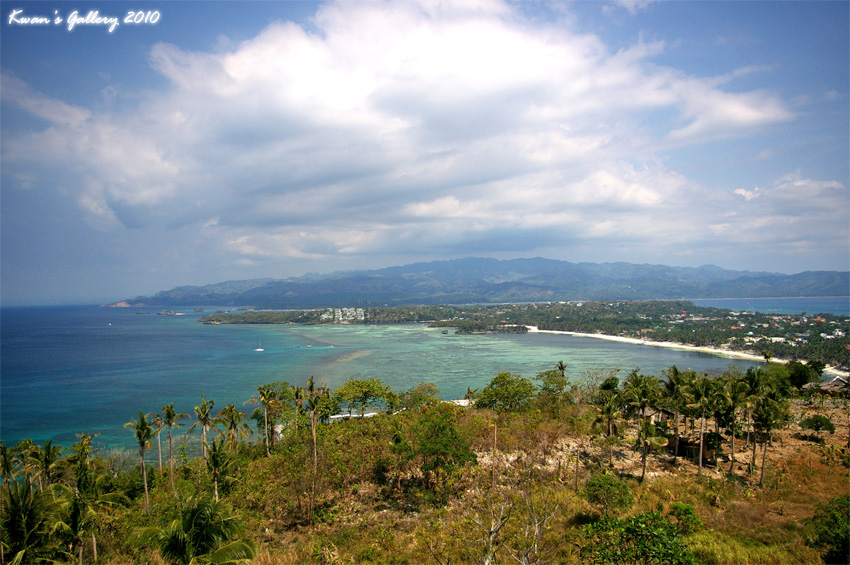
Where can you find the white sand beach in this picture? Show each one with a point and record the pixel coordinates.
(672, 345)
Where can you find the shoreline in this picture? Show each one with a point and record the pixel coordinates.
(673, 345)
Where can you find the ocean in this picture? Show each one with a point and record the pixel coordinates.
(66, 370)
(836, 305)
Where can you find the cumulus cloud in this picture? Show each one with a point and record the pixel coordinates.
(391, 127)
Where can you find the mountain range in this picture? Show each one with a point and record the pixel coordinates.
(476, 280)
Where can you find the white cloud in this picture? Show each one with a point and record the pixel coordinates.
(15, 91)
(391, 127)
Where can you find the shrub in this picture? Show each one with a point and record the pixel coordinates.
(686, 519)
(439, 442)
(818, 424)
(648, 538)
(830, 527)
(608, 494)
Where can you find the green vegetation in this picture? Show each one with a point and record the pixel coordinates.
(831, 529)
(506, 392)
(649, 538)
(608, 494)
(598, 470)
(818, 424)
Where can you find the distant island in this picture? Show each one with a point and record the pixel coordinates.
(492, 281)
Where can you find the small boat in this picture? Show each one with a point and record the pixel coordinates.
(260, 347)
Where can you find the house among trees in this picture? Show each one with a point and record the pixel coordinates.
(832, 388)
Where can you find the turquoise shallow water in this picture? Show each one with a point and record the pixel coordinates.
(87, 369)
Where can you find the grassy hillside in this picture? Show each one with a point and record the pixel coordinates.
(537, 471)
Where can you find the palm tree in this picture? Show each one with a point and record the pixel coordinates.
(203, 411)
(609, 405)
(757, 384)
(770, 413)
(202, 534)
(647, 440)
(733, 394)
(144, 433)
(158, 424)
(218, 462)
(700, 391)
(48, 462)
(5, 463)
(561, 368)
(266, 395)
(84, 512)
(233, 420)
(25, 520)
(312, 399)
(22, 458)
(169, 419)
(641, 392)
(674, 390)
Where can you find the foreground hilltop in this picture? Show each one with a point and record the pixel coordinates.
(483, 281)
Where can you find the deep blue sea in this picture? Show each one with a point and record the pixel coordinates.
(65, 370)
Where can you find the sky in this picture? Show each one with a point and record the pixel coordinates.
(217, 141)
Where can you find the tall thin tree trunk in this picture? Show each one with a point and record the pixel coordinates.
(763, 461)
(732, 463)
(753, 464)
(315, 449)
(93, 546)
(493, 456)
(676, 453)
(204, 442)
(576, 480)
(159, 449)
(701, 441)
(170, 459)
(215, 487)
(846, 405)
(80, 555)
(145, 479)
(315, 466)
(266, 423)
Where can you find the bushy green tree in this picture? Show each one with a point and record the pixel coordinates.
(608, 494)
(818, 424)
(553, 393)
(830, 530)
(419, 397)
(800, 374)
(361, 393)
(506, 392)
(439, 442)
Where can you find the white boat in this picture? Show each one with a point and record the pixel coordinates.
(260, 347)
